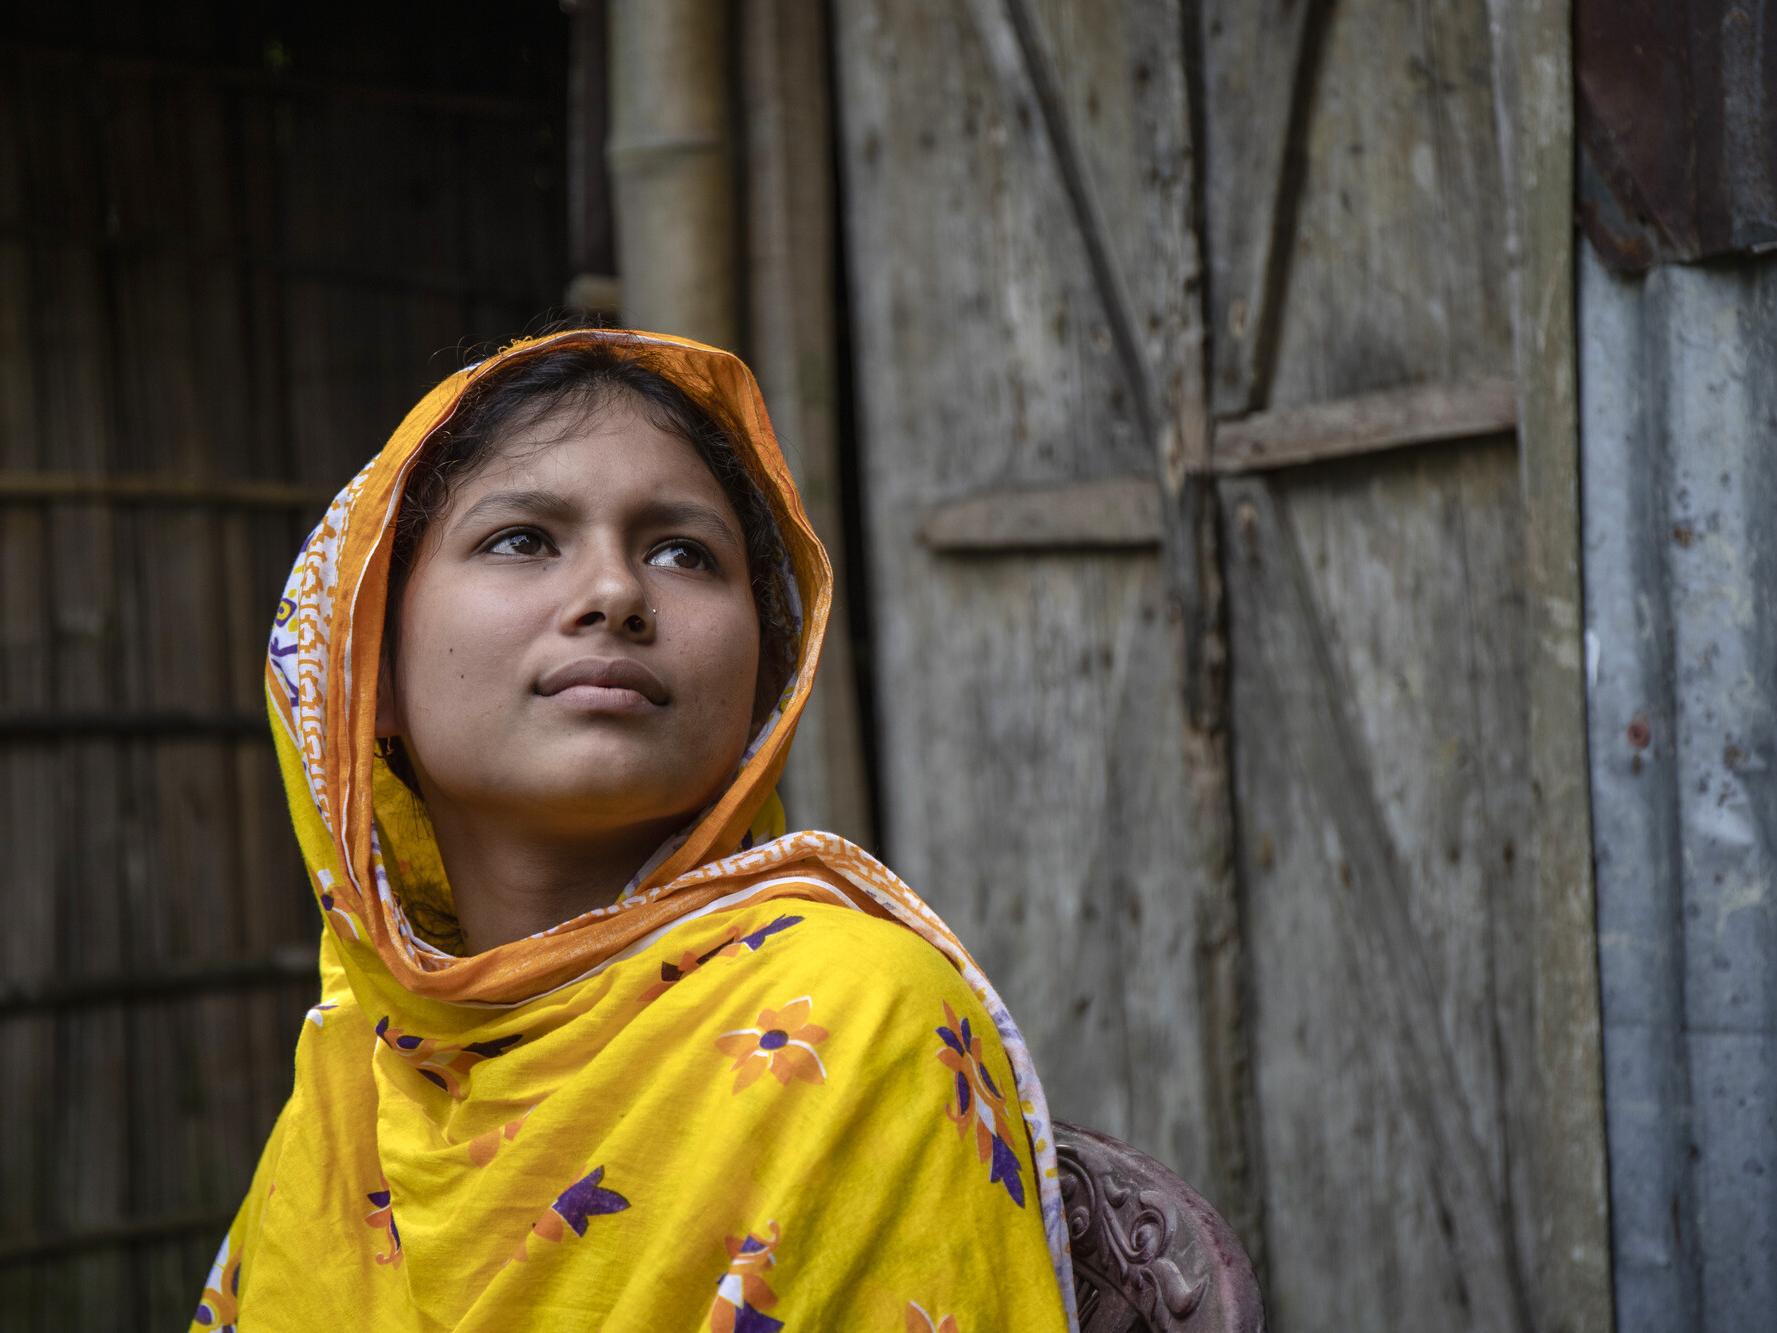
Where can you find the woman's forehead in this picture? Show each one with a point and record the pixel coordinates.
(596, 447)
(570, 466)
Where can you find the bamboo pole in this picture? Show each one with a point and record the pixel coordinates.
(671, 168)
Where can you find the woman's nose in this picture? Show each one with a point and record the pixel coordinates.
(608, 591)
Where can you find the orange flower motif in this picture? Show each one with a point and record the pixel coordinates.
(979, 1103)
(334, 905)
(218, 1307)
(918, 1321)
(483, 1146)
(742, 1294)
(382, 1218)
(673, 973)
(783, 1042)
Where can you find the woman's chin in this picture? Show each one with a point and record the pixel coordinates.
(595, 780)
(604, 798)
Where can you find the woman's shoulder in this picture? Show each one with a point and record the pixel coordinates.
(850, 955)
(876, 946)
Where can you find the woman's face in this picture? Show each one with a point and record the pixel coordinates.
(577, 641)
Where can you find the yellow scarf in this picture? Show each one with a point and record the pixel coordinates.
(767, 1088)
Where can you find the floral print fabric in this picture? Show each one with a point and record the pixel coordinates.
(709, 1158)
(783, 1044)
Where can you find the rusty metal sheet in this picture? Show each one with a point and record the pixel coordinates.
(1679, 482)
(1677, 112)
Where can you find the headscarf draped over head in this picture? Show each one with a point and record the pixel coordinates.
(459, 1124)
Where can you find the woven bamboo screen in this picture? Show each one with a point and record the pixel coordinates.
(234, 247)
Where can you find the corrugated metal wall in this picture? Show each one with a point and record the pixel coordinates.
(1678, 415)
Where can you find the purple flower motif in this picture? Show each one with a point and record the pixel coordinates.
(987, 1079)
(671, 973)
(585, 1199)
(572, 1210)
(758, 937)
(440, 1064)
(1005, 1171)
(749, 1320)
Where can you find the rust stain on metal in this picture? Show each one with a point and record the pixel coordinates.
(1678, 132)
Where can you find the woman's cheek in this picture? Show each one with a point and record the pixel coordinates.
(718, 681)
(462, 649)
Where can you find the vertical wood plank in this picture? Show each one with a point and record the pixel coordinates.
(1377, 784)
(1034, 785)
(1259, 64)
(1398, 271)
(1163, 373)
(793, 346)
(1376, 651)
(1532, 60)
(27, 1045)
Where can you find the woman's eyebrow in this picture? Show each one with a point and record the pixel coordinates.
(692, 513)
(545, 504)
(527, 504)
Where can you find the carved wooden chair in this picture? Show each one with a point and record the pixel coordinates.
(1149, 1253)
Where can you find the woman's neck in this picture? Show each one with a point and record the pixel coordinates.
(510, 882)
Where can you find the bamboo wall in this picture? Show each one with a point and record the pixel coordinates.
(235, 245)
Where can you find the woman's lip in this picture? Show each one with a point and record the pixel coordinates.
(604, 699)
(613, 674)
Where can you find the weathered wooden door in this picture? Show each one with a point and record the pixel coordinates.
(1203, 675)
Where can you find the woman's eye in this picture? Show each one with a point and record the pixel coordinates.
(520, 541)
(679, 555)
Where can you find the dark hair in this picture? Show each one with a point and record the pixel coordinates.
(589, 376)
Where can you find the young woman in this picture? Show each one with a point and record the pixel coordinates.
(598, 1045)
